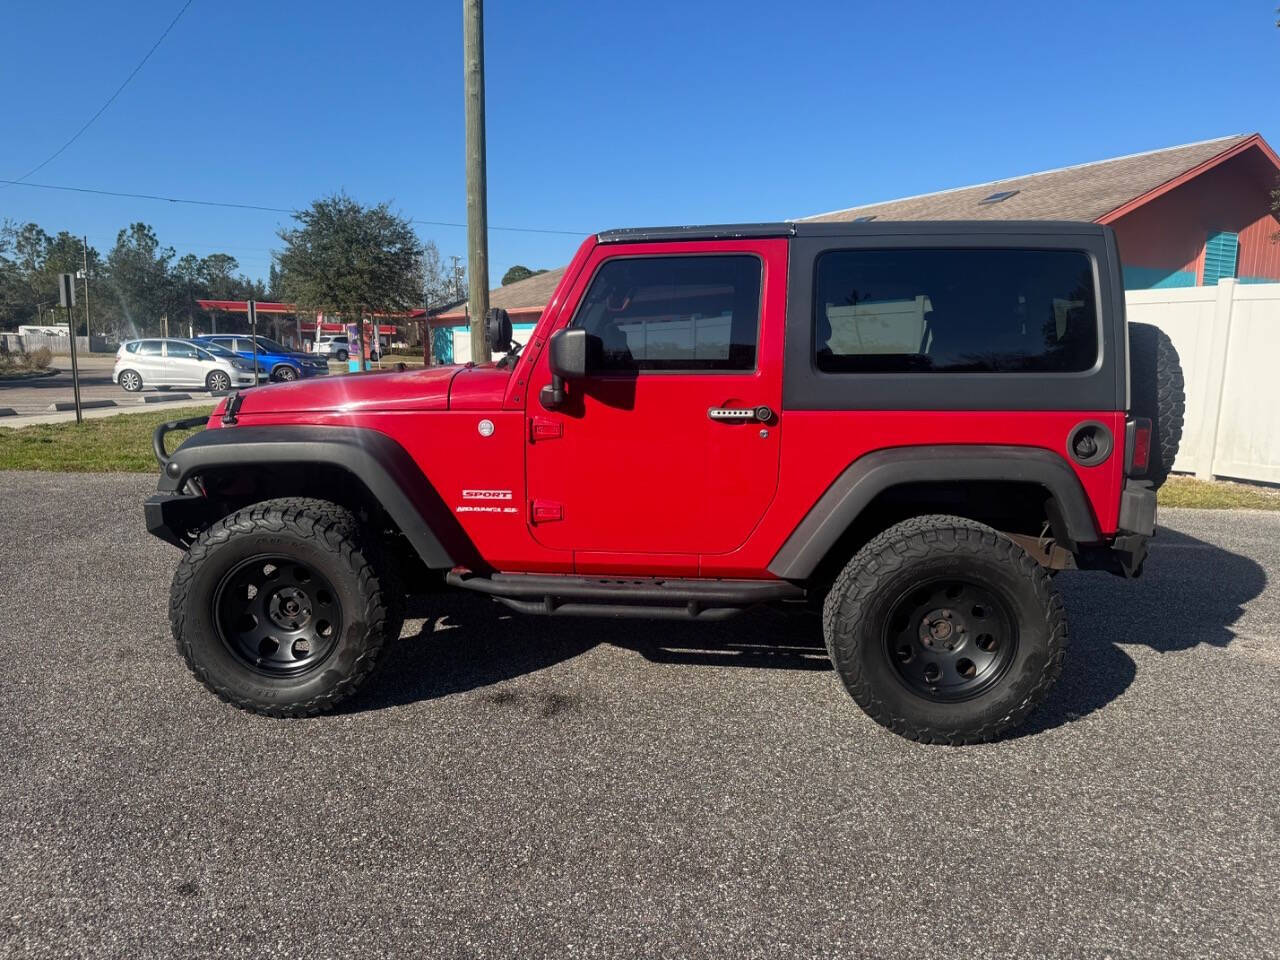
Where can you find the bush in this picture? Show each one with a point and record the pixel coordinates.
(41, 357)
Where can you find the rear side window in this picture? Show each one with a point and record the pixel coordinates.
(955, 311)
(674, 313)
(148, 348)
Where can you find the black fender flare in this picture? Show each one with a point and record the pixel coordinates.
(385, 468)
(870, 475)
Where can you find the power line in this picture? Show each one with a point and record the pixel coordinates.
(258, 207)
(102, 109)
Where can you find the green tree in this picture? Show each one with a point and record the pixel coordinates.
(30, 263)
(519, 272)
(347, 259)
(143, 288)
(14, 306)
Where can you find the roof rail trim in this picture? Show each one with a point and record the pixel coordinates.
(717, 231)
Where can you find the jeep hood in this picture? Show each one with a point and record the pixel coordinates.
(425, 389)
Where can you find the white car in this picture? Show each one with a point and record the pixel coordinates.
(165, 363)
(338, 346)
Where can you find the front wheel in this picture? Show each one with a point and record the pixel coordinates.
(342, 356)
(218, 382)
(945, 631)
(278, 609)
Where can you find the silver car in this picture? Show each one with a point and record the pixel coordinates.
(170, 362)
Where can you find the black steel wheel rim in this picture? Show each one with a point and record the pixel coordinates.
(278, 616)
(950, 639)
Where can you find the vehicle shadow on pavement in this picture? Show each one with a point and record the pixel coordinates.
(764, 638)
(1190, 593)
(468, 641)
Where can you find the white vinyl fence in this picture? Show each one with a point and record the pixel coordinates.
(1228, 338)
(61, 346)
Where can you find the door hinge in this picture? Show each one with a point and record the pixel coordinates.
(542, 428)
(545, 511)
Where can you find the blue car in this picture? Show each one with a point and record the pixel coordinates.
(279, 362)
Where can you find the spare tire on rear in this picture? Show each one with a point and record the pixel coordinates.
(1156, 392)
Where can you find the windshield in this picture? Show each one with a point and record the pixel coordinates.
(270, 346)
(217, 349)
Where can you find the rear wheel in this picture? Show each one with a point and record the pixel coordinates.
(130, 381)
(218, 382)
(342, 356)
(284, 373)
(279, 609)
(945, 631)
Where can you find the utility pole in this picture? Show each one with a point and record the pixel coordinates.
(477, 203)
(88, 334)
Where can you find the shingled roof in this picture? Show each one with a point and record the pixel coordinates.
(529, 294)
(1087, 191)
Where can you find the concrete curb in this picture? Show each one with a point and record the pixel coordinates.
(64, 405)
(165, 397)
(8, 412)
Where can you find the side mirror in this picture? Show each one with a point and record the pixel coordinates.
(567, 356)
(497, 330)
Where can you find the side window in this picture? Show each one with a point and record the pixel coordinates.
(131, 347)
(148, 348)
(674, 313)
(955, 311)
(181, 351)
(202, 354)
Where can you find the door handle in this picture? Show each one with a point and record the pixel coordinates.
(760, 414)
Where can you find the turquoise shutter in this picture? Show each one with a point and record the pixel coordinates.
(1220, 252)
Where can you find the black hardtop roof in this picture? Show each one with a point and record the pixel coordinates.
(801, 228)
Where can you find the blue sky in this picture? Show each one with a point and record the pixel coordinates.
(600, 114)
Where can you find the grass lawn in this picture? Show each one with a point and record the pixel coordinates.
(120, 444)
(1217, 495)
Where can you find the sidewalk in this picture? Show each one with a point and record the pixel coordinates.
(126, 407)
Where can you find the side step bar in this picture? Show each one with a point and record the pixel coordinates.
(672, 599)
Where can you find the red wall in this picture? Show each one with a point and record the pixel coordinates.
(1169, 232)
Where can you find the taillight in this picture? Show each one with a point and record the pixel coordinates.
(1137, 446)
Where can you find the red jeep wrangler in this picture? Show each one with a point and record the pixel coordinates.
(913, 424)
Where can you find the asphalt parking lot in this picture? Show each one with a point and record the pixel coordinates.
(31, 396)
(532, 787)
